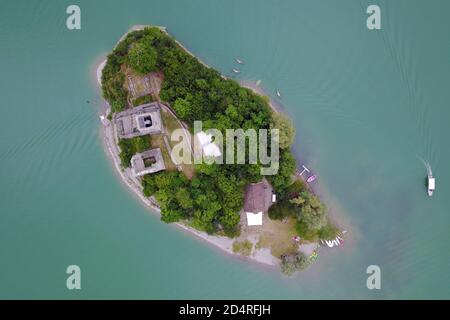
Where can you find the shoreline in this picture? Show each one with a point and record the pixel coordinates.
(261, 255)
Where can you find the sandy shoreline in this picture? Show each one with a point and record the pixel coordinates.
(109, 142)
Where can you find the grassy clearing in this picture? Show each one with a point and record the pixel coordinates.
(277, 236)
(243, 247)
(157, 141)
(142, 100)
(171, 124)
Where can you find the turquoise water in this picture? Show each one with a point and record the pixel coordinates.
(365, 103)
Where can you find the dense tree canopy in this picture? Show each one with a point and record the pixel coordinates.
(212, 199)
(294, 262)
(142, 58)
(286, 127)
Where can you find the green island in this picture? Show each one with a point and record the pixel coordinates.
(148, 68)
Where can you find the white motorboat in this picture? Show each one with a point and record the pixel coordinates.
(278, 94)
(239, 61)
(236, 70)
(431, 185)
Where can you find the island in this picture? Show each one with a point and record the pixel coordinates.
(153, 86)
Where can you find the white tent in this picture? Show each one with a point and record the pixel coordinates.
(254, 219)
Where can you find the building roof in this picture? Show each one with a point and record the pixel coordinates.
(258, 197)
(254, 219)
(138, 166)
(139, 121)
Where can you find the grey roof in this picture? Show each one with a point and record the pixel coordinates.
(138, 167)
(258, 197)
(138, 121)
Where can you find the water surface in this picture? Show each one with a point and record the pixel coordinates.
(365, 103)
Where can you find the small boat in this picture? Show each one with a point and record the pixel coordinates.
(258, 82)
(278, 94)
(431, 185)
(239, 61)
(236, 70)
(311, 178)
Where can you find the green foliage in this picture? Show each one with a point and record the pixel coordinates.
(183, 108)
(142, 57)
(305, 232)
(211, 201)
(283, 179)
(286, 127)
(312, 212)
(243, 247)
(296, 262)
(129, 147)
(281, 210)
(301, 261)
(142, 100)
(184, 198)
(328, 232)
(113, 85)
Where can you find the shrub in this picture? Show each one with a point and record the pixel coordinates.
(243, 247)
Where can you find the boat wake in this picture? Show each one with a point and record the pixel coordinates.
(426, 164)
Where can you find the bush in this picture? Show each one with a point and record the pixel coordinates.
(295, 262)
(328, 232)
(129, 147)
(287, 266)
(305, 232)
(142, 58)
(142, 100)
(243, 247)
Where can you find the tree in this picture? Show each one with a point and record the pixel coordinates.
(313, 213)
(171, 215)
(301, 261)
(283, 179)
(142, 58)
(294, 262)
(298, 201)
(288, 265)
(184, 198)
(286, 127)
(183, 108)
